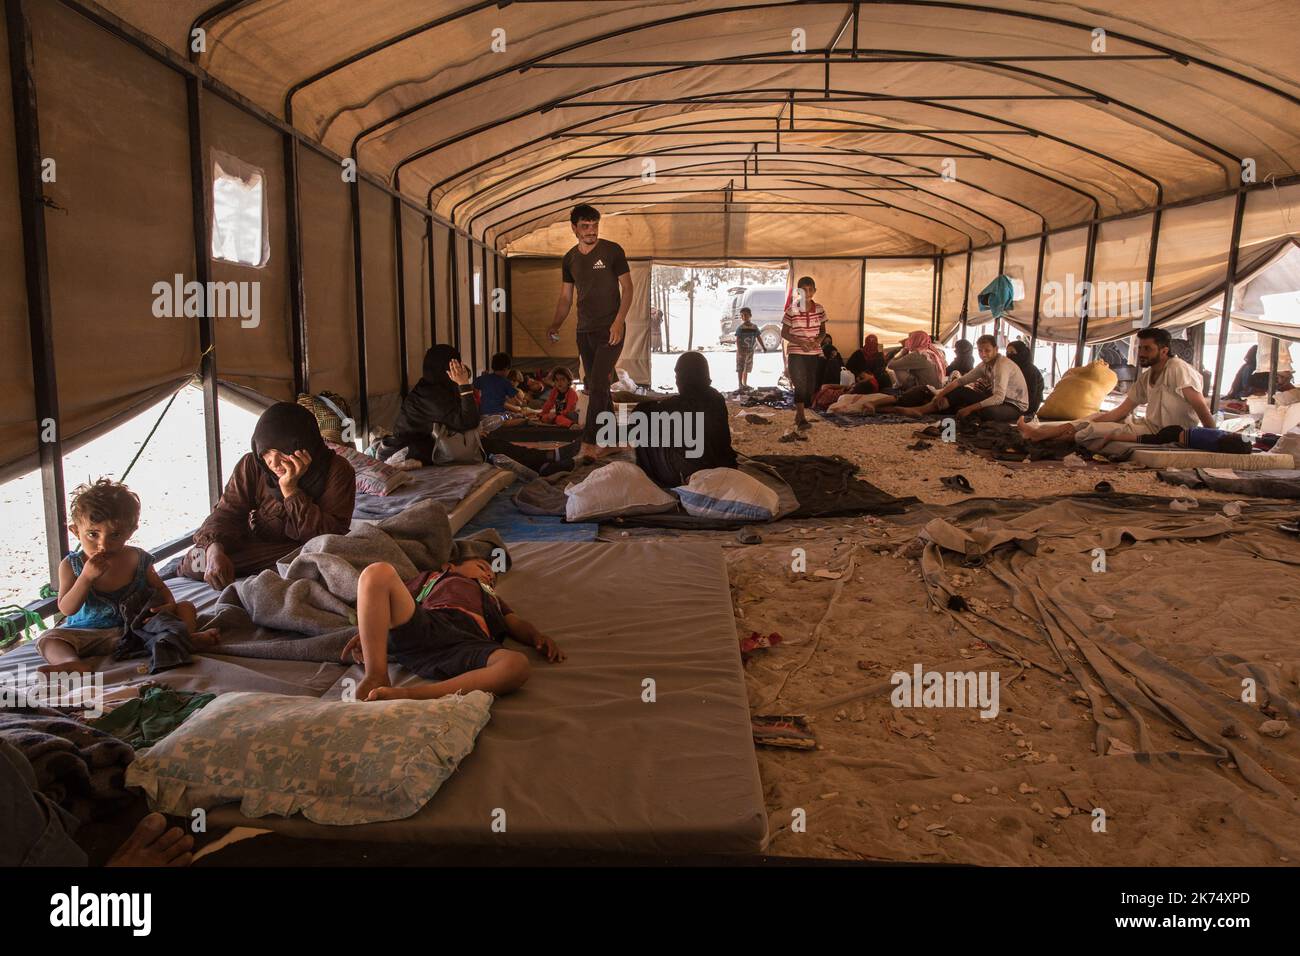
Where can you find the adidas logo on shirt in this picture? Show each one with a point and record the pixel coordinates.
(598, 264)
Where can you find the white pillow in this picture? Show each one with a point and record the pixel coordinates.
(337, 762)
(728, 494)
(619, 488)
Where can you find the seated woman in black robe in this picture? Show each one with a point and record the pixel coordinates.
(444, 397)
(669, 467)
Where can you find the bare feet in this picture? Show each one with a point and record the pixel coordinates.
(206, 638)
(369, 686)
(1027, 431)
(153, 844)
(910, 411)
(391, 693)
(79, 666)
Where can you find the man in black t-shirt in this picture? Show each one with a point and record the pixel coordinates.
(598, 269)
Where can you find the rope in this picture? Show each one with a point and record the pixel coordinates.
(144, 444)
(16, 623)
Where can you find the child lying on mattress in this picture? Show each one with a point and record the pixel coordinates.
(101, 576)
(447, 625)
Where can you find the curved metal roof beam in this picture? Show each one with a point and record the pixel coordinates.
(852, 171)
(625, 179)
(556, 102)
(929, 136)
(1179, 56)
(669, 150)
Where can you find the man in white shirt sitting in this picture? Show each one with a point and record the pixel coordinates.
(1169, 387)
(993, 391)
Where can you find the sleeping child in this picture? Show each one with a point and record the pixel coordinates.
(561, 406)
(102, 575)
(447, 625)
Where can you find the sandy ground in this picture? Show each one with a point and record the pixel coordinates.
(946, 786)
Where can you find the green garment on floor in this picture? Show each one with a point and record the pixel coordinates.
(147, 719)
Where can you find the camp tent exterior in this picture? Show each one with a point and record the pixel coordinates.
(419, 161)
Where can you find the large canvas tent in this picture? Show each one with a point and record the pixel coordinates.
(906, 152)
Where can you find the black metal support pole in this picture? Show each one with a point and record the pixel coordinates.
(939, 264)
(202, 273)
(965, 295)
(496, 315)
(362, 430)
(1088, 298)
(1148, 297)
(862, 307)
(40, 324)
(433, 286)
(472, 360)
(453, 273)
(398, 244)
(509, 313)
(1038, 293)
(297, 292)
(485, 295)
(934, 296)
(1229, 284)
(1275, 351)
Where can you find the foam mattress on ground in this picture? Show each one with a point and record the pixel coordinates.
(448, 484)
(1192, 458)
(577, 759)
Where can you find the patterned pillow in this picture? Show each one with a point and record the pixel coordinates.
(336, 762)
(374, 477)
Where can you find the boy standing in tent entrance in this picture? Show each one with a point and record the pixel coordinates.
(747, 337)
(598, 269)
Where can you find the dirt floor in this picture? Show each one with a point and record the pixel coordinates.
(944, 785)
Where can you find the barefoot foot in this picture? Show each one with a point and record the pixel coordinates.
(153, 844)
(68, 667)
(369, 685)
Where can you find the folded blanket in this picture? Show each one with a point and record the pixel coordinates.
(78, 767)
(312, 599)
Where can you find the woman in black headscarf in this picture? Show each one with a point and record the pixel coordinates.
(670, 467)
(1019, 353)
(290, 488)
(965, 360)
(442, 396)
(1241, 384)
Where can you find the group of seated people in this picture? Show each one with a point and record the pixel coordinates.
(916, 379)
(292, 486)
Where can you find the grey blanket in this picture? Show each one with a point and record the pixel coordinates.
(78, 767)
(305, 609)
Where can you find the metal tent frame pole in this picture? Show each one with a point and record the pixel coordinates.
(1229, 286)
(202, 273)
(40, 321)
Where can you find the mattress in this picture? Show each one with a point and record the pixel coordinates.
(448, 484)
(577, 759)
(1192, 458)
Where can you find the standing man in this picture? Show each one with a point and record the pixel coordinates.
(804, 330)
(1169, 387)
(598, 269)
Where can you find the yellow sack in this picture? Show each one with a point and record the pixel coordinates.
(1079, 393)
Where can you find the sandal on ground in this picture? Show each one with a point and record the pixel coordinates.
(957, 483)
